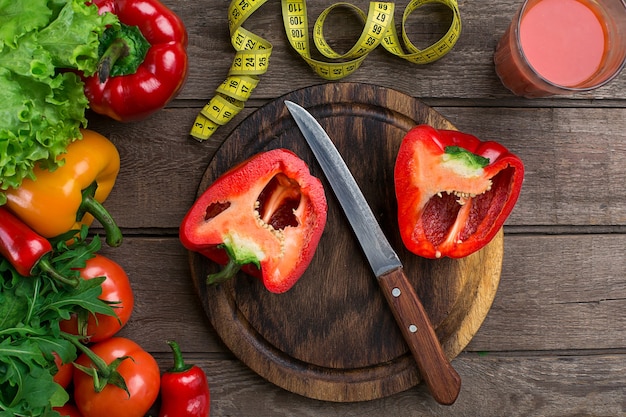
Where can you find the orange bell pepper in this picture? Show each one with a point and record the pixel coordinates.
(55, 202)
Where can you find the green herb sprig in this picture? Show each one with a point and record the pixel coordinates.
(30, 311)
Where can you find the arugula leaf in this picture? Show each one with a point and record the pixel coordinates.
(42, 44)
(12, 309)
(32, 393)
(62, 304)
(31, 309)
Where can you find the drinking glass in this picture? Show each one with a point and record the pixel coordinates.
(560, 47)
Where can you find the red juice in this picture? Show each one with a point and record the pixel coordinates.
(563, 40)
(562, 46)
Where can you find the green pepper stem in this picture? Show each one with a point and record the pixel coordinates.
(179, 362)
(122, 51)
(118, 49)
(45, 266)
(226, 273)
(92, 206)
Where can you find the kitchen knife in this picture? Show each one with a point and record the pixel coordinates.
(442, 380)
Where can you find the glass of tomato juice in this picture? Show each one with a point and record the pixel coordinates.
(558, 47)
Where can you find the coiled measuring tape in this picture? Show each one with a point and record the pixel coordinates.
(253, 52)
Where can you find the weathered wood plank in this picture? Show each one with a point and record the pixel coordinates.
(565, 301)
(166, 304)
(553, 341)
(483, 24)
(493, 386)
(575, 173)
(558, 292)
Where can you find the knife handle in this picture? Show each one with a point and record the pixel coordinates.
(443, 382)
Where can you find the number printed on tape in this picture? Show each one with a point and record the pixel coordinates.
(253, 52)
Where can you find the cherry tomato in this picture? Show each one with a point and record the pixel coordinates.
(115, 288)
(140, 371)
(68, 410)
(64, 373)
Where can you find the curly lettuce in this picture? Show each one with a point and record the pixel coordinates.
(44, 44)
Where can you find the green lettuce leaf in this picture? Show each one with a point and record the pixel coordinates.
(19, 17)
(44, 44)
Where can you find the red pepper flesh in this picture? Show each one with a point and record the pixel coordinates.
(454, 191)
(184, 389)
(27, 251)
(265, 215)
(161, 74)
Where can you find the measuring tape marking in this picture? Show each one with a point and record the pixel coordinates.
(377, 22)
(251, 60)
(252, 53)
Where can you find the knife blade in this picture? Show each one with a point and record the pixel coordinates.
(443, 382)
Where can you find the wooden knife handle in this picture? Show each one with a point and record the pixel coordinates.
(442, 380)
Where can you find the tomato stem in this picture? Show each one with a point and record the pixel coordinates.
(101, 373)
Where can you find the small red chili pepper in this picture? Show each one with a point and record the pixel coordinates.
(184, 389)
(27, 251)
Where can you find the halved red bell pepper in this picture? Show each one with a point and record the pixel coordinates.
(266, 216)
(143, 62)
(454, 191)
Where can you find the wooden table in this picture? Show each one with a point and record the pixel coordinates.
(554, 341)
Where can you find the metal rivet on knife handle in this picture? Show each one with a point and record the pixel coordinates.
(396, 292)
(441, 379)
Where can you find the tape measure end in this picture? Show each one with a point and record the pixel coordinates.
(198, 138)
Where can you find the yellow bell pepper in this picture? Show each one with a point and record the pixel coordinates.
(55, 202)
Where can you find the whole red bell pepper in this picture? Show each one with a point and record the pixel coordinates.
(143, 62)
(28, 252)
(265, 215)
(454, 191)
(184, 389)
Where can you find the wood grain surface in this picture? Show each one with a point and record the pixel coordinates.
(332, 337)
(554, 341)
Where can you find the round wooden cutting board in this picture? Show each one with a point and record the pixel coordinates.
(332, 337)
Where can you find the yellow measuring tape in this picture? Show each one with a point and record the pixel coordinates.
(253, 52)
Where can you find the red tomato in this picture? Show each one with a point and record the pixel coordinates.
(141, 373)
(64, 373)
(68, 410)
(115, 288)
